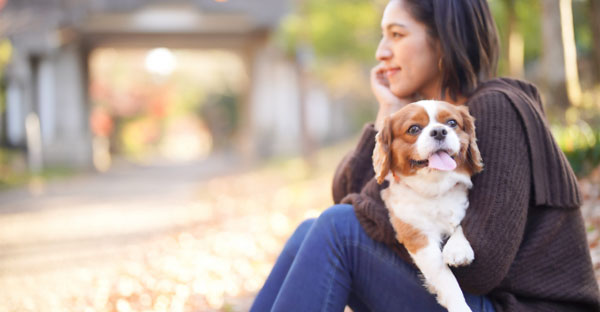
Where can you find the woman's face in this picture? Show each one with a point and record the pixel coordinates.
(410, 58)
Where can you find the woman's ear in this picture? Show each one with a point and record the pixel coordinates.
(439, 56)
(473, 157)
(382, 154)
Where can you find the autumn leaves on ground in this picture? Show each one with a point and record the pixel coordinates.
(189, 244)
(153, 239)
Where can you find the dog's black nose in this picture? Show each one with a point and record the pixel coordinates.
(438, 133)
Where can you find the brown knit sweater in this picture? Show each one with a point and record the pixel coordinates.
(523, 221)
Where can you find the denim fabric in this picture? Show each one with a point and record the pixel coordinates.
(330, 262)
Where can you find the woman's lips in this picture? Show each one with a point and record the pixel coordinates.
(391, 71)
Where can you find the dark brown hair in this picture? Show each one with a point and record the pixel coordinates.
(468, 40)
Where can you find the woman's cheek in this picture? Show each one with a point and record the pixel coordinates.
(401, 88)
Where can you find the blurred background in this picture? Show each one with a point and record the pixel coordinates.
(155, 155)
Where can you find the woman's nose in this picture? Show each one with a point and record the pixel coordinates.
(383, 52)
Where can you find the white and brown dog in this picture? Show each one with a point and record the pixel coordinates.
(427, 151)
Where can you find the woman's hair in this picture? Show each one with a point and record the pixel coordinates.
(468, 39)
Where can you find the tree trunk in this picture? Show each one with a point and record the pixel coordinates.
(594, 6)
(570, 48)
(515, 47)
(553, 58)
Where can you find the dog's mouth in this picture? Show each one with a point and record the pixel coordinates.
(440, 160)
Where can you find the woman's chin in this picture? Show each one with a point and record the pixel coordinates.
(401, 92)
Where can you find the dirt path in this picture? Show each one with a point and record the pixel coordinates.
(197, 237)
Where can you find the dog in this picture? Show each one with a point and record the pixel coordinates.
(427, 151)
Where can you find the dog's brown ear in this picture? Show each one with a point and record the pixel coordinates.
(382, 154)
(473, 157)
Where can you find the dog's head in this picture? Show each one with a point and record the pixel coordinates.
(427, 134)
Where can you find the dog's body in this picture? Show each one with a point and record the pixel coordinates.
(428, 153)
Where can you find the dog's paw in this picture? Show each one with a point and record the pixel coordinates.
(459, 307)
(458, 253)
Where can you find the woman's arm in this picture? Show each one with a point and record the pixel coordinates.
(356, 169)
(388, 102)
(499, 200)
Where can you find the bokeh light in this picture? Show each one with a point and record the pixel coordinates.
(160, 61)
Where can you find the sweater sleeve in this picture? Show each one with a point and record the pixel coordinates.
(499, 200)
(356, 169)
(495, 221)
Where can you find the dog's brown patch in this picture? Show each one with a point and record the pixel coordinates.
(469, 157)
(409, 236)
(402, 146)
(447, 112)
(393, 149)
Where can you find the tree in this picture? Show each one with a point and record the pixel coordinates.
(594, 11)
(559, 57)
(516, 46)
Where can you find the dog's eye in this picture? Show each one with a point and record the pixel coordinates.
(414, 130)
(452, 123)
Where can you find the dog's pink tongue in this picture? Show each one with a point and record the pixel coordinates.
(441, 161)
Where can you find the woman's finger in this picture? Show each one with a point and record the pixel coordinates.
(378, 75)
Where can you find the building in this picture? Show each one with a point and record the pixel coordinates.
(53, 39)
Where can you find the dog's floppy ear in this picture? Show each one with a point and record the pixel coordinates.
(382, 154)
(473, 157)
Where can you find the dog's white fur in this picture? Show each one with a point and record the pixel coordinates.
(434, 203)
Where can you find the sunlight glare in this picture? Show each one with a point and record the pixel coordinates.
(161, 61)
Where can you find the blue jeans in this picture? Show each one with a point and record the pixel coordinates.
(330, 262)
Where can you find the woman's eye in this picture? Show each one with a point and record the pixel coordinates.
(452, 123)
(396, 34)
(414, 130)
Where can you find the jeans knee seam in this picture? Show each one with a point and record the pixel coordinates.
(329, 288)
(332, 277)
(351, 243)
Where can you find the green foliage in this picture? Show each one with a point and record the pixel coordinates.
(579, 139)
(12, 168)
(336, 40)
(528, 23)
(335, 29)
(14, 171)
(221, 113)
(581, 22)
(581, 144)
(6, 52)
(529, 16)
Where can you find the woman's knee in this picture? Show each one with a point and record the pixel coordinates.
(328, 221)
(337, 214)
(305, 226)
(298, 236)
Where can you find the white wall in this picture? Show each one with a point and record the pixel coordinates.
(275, 105)
(63, 110)
(15, 112)
(57, 96)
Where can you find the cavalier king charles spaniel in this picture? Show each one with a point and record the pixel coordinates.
(427, 151)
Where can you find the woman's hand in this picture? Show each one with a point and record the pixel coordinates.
(388, 102)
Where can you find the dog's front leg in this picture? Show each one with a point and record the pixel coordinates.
(439, 277)
(425, 251)
(458, 251)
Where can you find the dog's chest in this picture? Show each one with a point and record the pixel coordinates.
(441, 213)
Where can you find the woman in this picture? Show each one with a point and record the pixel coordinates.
(523, 221)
